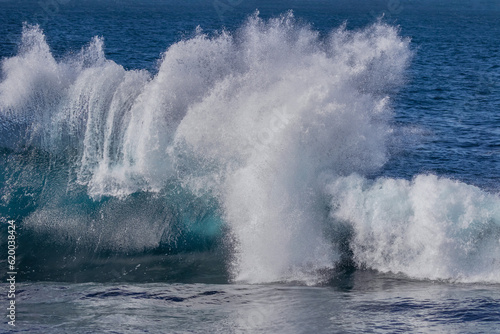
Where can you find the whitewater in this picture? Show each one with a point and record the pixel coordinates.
(264, 143)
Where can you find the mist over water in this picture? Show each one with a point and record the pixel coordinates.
(258, 144)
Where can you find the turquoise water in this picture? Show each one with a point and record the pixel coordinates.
(252, 166)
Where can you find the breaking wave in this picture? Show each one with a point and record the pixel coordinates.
(258, 143)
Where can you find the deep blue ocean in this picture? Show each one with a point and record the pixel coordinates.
(230, 166)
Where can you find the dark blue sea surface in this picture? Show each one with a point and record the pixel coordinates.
(378, 304)
(251, 166)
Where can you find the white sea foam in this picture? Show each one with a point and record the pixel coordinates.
(430, 227)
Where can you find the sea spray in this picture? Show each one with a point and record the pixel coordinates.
(308, 106)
